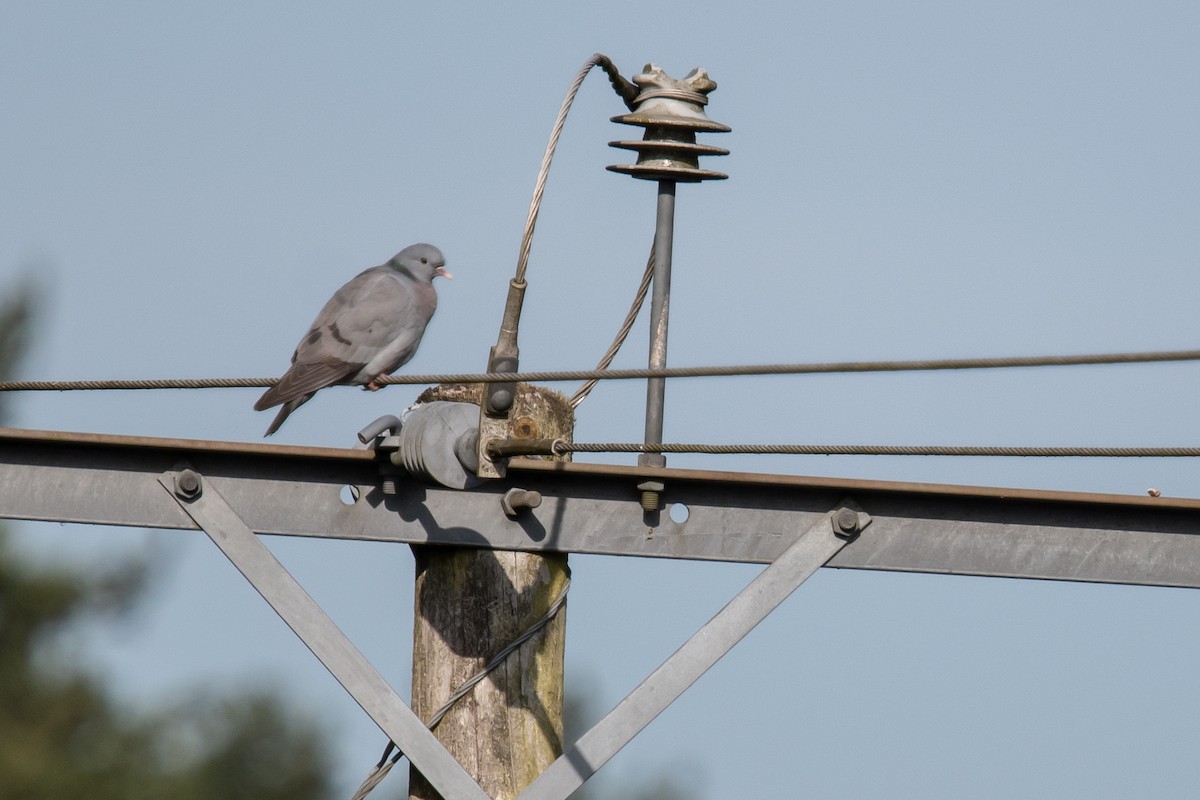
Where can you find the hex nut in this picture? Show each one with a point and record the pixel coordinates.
(845, 523)
(188, 484)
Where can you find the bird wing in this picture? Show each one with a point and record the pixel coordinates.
(358, 323)
(303, 379)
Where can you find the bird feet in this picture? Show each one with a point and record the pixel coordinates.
(374, 385)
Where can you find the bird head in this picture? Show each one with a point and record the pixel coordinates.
(422, 261)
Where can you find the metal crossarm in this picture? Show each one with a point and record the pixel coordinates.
(294, 491)
(201, 501)
(584, 509)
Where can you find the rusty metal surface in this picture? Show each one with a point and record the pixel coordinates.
(20, 435)
(855, 485)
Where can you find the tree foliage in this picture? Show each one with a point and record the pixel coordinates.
(15, 310)
(62, 734)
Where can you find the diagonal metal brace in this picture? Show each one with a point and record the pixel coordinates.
(718, 636)
(306, 618)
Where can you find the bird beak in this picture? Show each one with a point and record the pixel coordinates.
(442, 271)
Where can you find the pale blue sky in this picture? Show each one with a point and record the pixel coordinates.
(189, 182)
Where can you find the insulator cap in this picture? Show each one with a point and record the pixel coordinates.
(437, 442)
(671, 111)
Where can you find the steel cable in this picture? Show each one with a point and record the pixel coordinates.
(551, 376)
(562, 447)
(622, 88)
(634, 309)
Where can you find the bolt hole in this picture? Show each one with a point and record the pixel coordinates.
(679, 513)
(349, 495)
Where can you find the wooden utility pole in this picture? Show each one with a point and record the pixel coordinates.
(470, 604)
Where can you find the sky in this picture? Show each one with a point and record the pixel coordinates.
(185, 184)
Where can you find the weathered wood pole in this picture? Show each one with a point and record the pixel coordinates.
(470, 604)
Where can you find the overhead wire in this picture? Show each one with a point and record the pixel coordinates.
(628, 92)
(563, 447)
(551, 376)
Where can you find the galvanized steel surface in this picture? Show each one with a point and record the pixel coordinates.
(812, 548)
(743, 517)
(322, 636)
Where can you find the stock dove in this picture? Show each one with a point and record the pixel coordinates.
(370, 327)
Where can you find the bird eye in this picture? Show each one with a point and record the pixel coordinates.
(424, 260)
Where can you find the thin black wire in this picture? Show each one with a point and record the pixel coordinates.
(552, 376)
(381, 769)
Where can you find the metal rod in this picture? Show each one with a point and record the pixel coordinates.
(660, 301)
(507, 448)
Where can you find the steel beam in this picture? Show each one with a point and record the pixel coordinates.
(594, 509)
(718, 636)
(307, 620)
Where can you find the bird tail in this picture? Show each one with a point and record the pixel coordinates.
(269, 398)
(285, 410)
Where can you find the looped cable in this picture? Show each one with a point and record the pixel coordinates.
(634, 309)
(622, 88)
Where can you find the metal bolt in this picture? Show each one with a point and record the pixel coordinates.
(524, 428)
(516, 500)
(188, 484)
(388, 486)
(651, 494)
(845, 523)
(502, 399)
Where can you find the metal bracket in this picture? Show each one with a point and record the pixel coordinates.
(201, 501)
(491, 429)
(812, 550)
(718, 636)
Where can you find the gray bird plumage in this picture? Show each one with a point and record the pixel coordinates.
(369, 328)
